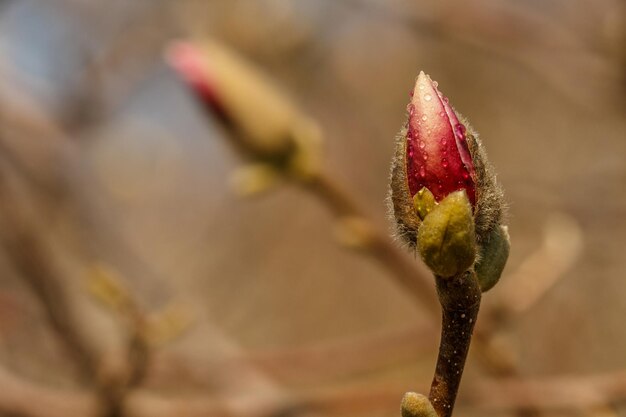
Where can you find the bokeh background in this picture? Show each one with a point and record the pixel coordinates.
(109, 164)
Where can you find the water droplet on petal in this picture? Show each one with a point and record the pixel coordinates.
(422, 144)
(442, 114)
(428, 97)
(422, 172)
(424, 117)
(444, 163)
(460, 130)
(435, 84)
(421, 87)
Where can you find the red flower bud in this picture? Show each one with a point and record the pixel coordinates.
(189, 63)
(263, 121)
(437, 153)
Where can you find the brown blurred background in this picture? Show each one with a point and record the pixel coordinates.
(109, 164)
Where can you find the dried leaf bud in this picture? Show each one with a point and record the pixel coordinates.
(438, 151)
(446, 240)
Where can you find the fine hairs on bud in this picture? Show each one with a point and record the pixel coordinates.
(399, 201)
(490, 206)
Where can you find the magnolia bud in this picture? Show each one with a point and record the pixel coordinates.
(437, 154)
(267, 125)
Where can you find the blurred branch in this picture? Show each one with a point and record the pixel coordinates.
(516, 34)
(107, 286)
(315, 363)
(374, 242)
(25, 399)
(33, 145)
(570, 392)
(566, 393)
(23, 240)
(113, 69)
(35, 264)
(267, 129)
(561, 246)
(29, 164)
(523, 288)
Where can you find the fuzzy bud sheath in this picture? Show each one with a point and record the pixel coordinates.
(448, 206)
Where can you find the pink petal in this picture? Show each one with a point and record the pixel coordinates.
(189, 63)
(433, 157)
(459, 133)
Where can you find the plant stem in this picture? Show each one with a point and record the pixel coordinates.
(460, 300)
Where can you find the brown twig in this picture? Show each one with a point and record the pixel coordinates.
(460, 301)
